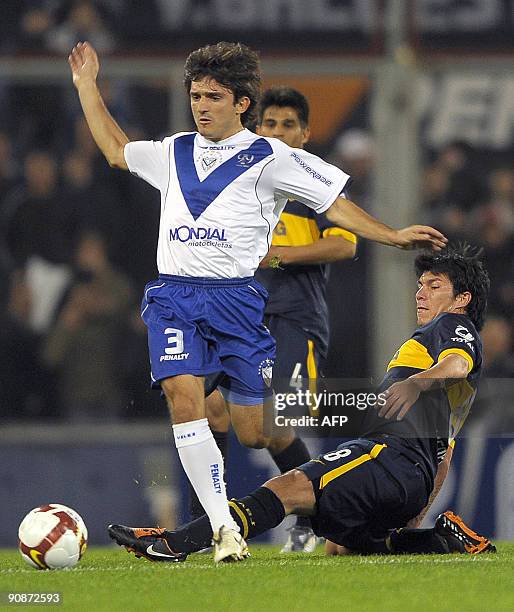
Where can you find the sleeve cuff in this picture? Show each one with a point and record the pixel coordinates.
(126, 156)
(336, 193)
(457, 351)
(338, 231)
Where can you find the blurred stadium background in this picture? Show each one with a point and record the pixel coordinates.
(413, 98)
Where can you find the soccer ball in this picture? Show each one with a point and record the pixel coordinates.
(52, 537)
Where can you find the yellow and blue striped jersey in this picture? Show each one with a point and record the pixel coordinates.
(438, 415)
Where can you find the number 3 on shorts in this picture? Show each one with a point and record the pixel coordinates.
(176, 339)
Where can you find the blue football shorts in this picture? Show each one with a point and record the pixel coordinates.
(364, 489)
(201, 325)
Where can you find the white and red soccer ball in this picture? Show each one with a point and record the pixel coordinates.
(52, 537)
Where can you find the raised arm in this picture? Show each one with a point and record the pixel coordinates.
(348, 215)
(108, 135)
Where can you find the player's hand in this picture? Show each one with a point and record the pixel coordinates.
(400, 397)
(420, 237)
(331, 549)
(84, 63)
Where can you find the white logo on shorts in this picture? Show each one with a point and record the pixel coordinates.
(266, 371)
(176, 340)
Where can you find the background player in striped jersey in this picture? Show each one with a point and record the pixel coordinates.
(222, 189)
(295, 274)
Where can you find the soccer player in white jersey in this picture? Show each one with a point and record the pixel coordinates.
(223, 189)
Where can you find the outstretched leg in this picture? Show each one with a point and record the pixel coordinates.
(256, 513)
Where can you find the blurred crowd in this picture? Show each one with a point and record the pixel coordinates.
(77, 239)
(53, 26)
(471, 198)
(77, 245)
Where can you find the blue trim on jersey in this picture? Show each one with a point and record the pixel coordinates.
(207, 282)
(198, 195)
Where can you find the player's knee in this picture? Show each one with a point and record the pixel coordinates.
(288, 482)
(184, 406)
(296, 480)
(183, 410)
(217, 413)
(280, 485)
(294, 491)
(252, 438)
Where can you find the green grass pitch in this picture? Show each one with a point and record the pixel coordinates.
(111, 579)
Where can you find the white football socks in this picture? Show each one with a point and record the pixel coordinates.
(203, 463)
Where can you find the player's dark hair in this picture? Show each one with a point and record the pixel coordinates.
(462, 264)
(285, 96)
(233, 65)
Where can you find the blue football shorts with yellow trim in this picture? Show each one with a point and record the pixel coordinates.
(297, 354)
(201, 326)
(363, 490)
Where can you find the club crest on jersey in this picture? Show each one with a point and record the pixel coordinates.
(209, 159)
(280, 229)
(245, 160)
(266, 371)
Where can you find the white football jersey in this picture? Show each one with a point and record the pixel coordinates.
(220, 201)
